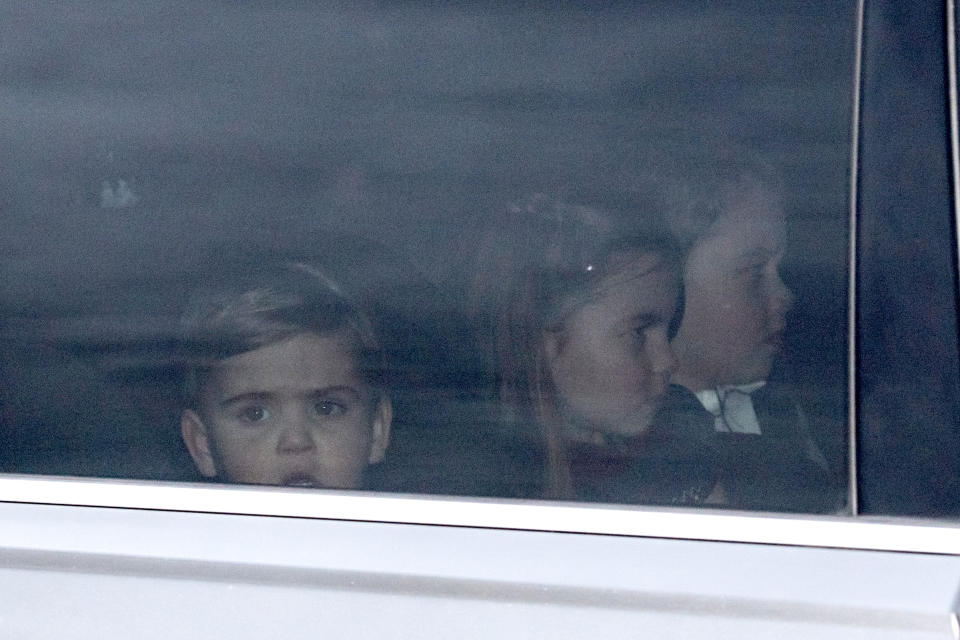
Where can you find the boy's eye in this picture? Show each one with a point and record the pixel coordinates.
(647, 329)
(254, 413)
(754, 273)
(755, 270)
(644, 331)
(329, 408)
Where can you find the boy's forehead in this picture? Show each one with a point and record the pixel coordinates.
(751, 207)
(303, 362)
(745, 232)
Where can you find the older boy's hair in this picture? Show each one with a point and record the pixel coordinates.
(236, 313)
(690, 188)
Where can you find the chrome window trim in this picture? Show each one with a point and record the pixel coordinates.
(951, 28)
(873, 534)
(852, 480)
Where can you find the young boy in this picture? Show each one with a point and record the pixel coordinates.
(729, 214)
(282, 382)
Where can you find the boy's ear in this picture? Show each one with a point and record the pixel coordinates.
(382, 418)
(195, 437)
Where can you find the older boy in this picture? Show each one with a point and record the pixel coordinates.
(728, 213)
(281, 382)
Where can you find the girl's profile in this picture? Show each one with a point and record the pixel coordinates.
(578, 309)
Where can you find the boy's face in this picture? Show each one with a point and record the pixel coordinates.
(295, 413)
(736, 304)
(611, 361)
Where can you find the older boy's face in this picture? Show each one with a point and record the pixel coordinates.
(736, 303)
(294, 413)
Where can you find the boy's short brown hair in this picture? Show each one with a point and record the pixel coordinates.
(235, 313)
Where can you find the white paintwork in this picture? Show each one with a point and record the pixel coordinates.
(837, 532)
(82, 572)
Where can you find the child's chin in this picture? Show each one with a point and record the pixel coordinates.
(638, 422)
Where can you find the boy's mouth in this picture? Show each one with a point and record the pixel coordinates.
(775, 340)
(300, 480)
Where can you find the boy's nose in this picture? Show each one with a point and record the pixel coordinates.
(661, 355)
(296, 437)
(780, 297)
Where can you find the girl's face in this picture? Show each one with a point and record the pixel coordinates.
(610, 361)
(736, 304)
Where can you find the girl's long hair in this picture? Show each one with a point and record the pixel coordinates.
(533, 259)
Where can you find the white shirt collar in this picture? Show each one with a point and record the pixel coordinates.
(732, 407)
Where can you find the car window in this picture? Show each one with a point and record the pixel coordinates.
(596, 252)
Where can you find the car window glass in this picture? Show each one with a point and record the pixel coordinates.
(593, 252)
